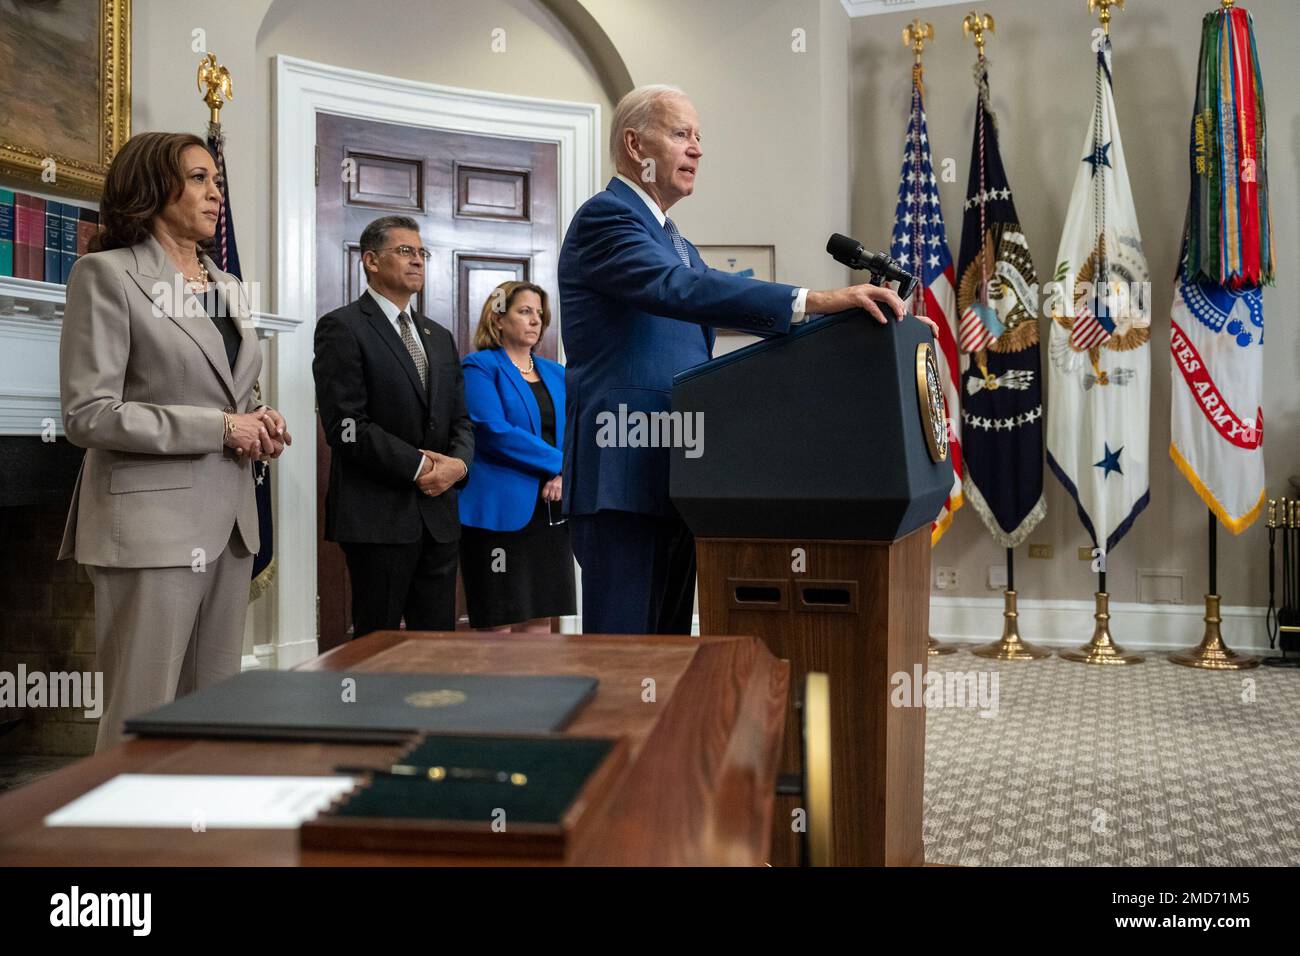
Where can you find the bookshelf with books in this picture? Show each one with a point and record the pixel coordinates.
(41, 237)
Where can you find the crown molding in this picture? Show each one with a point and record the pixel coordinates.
(871, 8)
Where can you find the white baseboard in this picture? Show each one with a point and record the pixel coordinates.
(1059, 623)
(1152, 627)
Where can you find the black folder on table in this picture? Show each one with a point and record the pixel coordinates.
(362, 707)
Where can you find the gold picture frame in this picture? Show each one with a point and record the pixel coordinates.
(80, 175)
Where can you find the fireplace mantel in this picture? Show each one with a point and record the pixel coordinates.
(31, 318)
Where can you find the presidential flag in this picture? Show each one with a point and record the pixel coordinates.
(1002, 387)
(921, 247)
(1099, 392)
(1217, 324)
(226, 255)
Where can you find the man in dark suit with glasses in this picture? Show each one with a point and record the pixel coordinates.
(392, 402)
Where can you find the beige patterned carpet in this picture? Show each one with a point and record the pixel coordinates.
(1146, 765)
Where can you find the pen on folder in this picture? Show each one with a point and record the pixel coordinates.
(442, 774)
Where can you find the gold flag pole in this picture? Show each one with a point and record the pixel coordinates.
(1009, 647)
(215, 84)
(915, 36)
(1102, 649)
(1212, 654)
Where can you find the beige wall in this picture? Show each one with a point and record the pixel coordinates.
(774, 122)
(1041, 76)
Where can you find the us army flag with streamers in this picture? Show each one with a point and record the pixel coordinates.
(921, 247)
(1216, 345)
(1002, 388)
(1099, 389)
(1216, 338)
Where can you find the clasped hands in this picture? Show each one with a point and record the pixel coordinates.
(257, 435)
(441, 472)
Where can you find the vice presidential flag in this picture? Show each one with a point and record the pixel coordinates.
(1099, 392)
(1217, 325)
(1002, 388)
(921, 247)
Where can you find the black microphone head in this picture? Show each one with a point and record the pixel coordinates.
(844, 249)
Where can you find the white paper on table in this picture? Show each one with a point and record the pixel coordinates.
(198, 802)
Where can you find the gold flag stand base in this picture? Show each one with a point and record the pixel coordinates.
(1212, 654)
(1102, 649)
(935, 649)
(1011, 647)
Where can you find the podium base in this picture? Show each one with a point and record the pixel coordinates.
(858, 611)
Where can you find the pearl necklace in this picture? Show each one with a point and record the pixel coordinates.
(203, 278)
(531, 365)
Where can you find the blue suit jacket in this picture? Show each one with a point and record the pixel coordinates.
(633, 317)
(509, 455)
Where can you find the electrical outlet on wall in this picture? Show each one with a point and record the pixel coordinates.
(997, 577)
(945, 578)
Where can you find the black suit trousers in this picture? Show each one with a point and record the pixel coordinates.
(395, 582)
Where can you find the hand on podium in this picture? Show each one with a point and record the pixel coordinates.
(865, 297)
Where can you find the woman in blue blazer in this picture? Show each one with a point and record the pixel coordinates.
(515, 556)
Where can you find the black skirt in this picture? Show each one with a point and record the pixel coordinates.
(516, 576)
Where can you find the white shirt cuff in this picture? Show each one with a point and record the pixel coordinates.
(800, 307)
(419, 467)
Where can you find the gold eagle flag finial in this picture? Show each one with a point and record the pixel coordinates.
(214, 83)
(976, 25)
(1105, 7)
(915, 35)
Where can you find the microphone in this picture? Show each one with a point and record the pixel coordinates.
(848, 251)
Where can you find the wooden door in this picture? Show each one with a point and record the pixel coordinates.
(487, 209)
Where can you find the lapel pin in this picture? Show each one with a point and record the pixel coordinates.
(425, 331)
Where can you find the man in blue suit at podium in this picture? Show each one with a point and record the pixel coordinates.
(638, 306)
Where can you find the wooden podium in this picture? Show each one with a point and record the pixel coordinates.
(811, 506)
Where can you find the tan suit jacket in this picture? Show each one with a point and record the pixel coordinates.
(144, 379)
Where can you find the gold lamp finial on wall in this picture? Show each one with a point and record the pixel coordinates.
(1105, 7)
(215, 80)
(976, 25)
(915, 35)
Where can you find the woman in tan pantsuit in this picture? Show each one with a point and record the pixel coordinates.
(157, 367)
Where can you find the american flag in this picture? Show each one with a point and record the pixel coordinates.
(920, 246)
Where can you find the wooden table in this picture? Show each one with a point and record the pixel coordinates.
(698, 788)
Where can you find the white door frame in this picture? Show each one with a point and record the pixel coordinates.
(303, 89)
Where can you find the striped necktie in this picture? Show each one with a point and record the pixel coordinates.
(679, 242)
(413, 347)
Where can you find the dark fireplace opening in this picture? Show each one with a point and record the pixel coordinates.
(46, 606)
